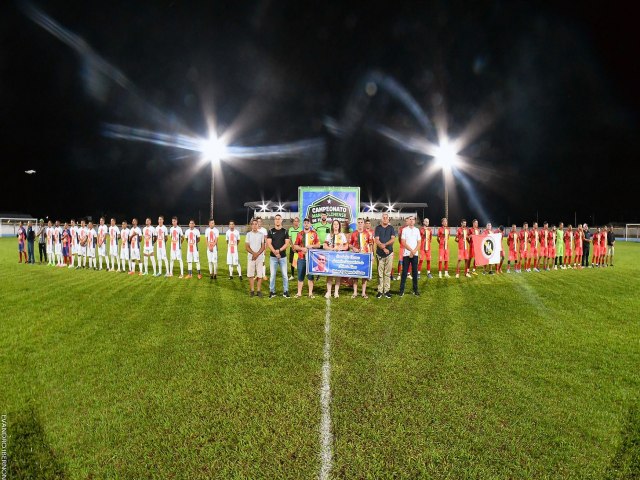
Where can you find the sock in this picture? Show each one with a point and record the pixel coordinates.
(198, 267)
(428, 266)
(446, 266)
(159, 267)
(215, 268)
(181, 267)
(210, 268)
(140, 265)
(146, 264)
(166, 264)
(231, 270)
(189, 267)
(239, 270)
(439, 266)
(153, 264)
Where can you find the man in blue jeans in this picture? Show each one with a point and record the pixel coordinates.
(277, 243)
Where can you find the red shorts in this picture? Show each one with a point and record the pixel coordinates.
(463, 254)
(443, 255)
(513, 255)
(524, 254)
(534, 253)
(568, 252)
(578, 252)
(425, 255)
(552, 252)
(544, 252)
(596, 251)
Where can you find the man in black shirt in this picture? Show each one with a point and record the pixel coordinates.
(31, 237)
(385, 235)
(277, 242)
(611, 241)
(42, 241)
(586, 244)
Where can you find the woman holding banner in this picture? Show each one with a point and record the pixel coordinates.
(337, 241)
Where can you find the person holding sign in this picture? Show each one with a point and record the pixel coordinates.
(233, 236)
(410, 243)
(443, 248)
(305, 240)
(360, 242)
(335, 240)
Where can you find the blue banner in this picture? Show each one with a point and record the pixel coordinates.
(339, 263)
(339, 203)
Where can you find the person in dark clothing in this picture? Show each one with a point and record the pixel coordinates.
(31, 237)
(42, 241)
(586, 244)
(611, 241)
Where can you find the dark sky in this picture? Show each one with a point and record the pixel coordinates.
(555, 85)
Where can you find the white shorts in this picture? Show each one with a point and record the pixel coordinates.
(91, 252)
(255, 268)
(161, 253)
(124, 253)
(232, 258)
(113, 250)
(193, 256)
(135, 253)
(148, 250)
(176, 255)
(212, 256)
(102, 250)
(74, 249)
(58, 249)
(82, 251)
(49, 249)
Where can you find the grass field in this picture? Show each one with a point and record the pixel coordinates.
(530, 376)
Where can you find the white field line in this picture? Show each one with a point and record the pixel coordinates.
(326, 436)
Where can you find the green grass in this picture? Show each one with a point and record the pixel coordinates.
(528, 376)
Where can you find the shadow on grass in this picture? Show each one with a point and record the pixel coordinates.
(29, 454)
(626, 463)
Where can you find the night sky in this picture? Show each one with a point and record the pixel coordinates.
(554, 86)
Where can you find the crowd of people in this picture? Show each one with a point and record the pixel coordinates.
(127, 248)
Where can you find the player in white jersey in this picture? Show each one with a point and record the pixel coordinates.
(263, 231)
(148, 234)
(124, 246)
(49, 231)
(114, 231)
(233, 239)
(161, 246)
(57, 243)
(73, 231)
(211, 235)
(91, 246)
(102, 243)
(82, 244)
(135, 234)
(193, 238)
(175, 236)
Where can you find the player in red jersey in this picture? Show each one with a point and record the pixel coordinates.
(443, 248)
(524, 238)
(513, 241)
(535, 241)
(474, 230)
(545, 240)
(425, 247)
(462, 239)
(360, 242)
(568, 246)
(578, 238)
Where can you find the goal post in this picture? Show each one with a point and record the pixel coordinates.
(632, 232)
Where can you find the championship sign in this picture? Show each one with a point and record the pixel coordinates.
(339, 203)
(487, 248)
(334, 263)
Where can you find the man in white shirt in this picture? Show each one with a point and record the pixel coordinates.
(410, 245)
(193, 238)
(124, 246)
(148, 233)
(161, 246)
(134, 250)
(211, 235)
(91, 249)
(175, 236)
(102, 243)
(255, 245)
(114, 231)
(233, 239)
(82, 244)
(57, 243)
(49, 232)
(73, 231)
(264, 232)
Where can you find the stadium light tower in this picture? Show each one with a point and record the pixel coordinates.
(213, 150)
(447, 159)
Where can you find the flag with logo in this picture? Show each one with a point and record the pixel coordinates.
(487, 248)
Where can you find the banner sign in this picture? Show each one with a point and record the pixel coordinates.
(487, 248)
(333, 263)
(339, 203)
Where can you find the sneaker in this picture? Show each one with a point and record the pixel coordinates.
(286, 295)
(272, 294)
(457, 275)
(429, 275)
(439, 274)
(387, 295)
(251, 293)
(230, 277)
(508, 270)
(131, 273)
(409, 276)
(379, 295)
(416, 294)
(468, 275)
(215, 276)
(290, 277)
(181, 276)
(555, 267)
(189, 276)
(491, 272)
(259, 294)
(211, 277)
(446, 274)
(401, 294)
(419, 275)
(537, 270)
(240, 277)
(474, 272)
(199, 276)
